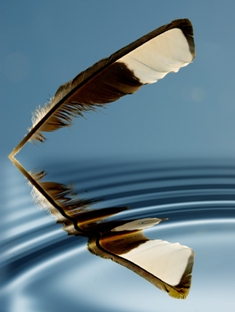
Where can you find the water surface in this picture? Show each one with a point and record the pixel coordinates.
(44, 269)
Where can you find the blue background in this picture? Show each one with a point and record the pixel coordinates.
(186, 115)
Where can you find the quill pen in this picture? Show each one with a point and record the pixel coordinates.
(146, 60)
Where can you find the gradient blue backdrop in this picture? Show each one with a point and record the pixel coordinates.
(186, 115)
(46, 43)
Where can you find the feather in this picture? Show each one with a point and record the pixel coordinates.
(166, 265)
(66, 206)
(144, 61)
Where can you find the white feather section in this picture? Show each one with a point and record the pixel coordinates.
(167, 261)
(159, 56)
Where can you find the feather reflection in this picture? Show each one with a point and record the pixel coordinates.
(166, 265)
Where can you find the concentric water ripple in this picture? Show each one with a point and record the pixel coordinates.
(43, 269)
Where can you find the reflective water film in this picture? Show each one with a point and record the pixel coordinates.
(169, 225)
